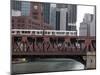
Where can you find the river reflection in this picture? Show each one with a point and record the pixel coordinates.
(45, 65)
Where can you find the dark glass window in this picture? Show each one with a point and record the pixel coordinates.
(58, 20)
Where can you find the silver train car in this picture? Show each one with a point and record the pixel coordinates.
(43, 32)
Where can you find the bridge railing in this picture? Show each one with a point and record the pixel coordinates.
(52, 45)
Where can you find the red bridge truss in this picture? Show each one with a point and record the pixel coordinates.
(52, 45)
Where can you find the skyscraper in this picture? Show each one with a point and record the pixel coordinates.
(68, 16)
(16, 5)
(46, 12)
(25, 8)
(87, 27)
(22, 6)
(57, 20)
(61, 18)
(53, 15)
(72, 17)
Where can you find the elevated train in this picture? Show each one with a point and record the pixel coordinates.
(43, 32)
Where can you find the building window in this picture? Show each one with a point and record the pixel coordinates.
(35, 17)
(66, 20)
(58, 20)
(12, 25)
(23, 21)
(18, 20)
(29, 21)
(35, 13)
(25, 8)
(22, 25)
(12, 21)
(18, 25)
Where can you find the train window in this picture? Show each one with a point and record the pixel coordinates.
(28, 31)
(48, 32)
(60, 32)
(53, 32)
(71, 33)
(37, 32)
(33, 32)
(63, 32)
(57, 32)
(41, 32)
(13, 31)
(67, 32)
(18, 31)
(45, 32)
(75, 33)
(25, 31)
(22, 31)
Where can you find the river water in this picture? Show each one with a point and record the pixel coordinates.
(47, 65)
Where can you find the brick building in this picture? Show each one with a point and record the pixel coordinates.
(31, 16)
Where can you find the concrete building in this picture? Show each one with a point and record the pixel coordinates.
(16, 13)
(93, 26)
(27, 22)
(87, 27)
(61, 18)
(53, 15)
(66, 15)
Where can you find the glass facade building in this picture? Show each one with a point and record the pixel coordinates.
(25, 9)
(72, 13)
(71, 16)
(57, 20)
(46, 12)
(16, 5)
(53, 16)
(22, 6)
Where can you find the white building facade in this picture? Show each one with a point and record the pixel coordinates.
(87, 27)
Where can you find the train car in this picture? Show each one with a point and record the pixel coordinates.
(43, 32)
(26, 32)
(60, 33)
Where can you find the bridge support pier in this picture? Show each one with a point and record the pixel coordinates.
(91, 60)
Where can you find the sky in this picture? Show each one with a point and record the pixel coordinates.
(81, 10)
